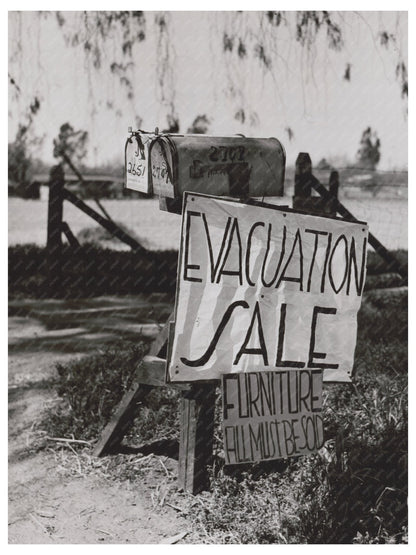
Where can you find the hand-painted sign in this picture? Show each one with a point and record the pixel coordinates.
(271, 415)
(137, 163)
(263, 288)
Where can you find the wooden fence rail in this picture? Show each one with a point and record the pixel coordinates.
(305, 181)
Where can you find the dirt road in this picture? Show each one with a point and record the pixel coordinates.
(57, 494)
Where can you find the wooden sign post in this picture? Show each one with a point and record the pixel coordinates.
(264, 294)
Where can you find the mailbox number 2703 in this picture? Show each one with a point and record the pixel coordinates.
(227, 153)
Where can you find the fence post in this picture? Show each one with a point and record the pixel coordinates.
(303, 170)
(333, 191)
(196, 437)
(303, 199)
(303, 189)
(54, 233)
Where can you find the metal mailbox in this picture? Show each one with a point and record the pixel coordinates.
(222, 166)
(136, 162)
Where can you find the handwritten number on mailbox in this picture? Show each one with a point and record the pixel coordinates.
(226, 153)
(134, 169)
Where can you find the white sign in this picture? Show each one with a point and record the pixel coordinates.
(263, 288)
(271, 415)
(137, 163)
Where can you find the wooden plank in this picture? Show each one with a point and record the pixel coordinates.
(196, 437)
(152, 371)
(110, 226)
(117, 427)
(54, 230)
(121, 420)
(333, 191)
(303, 169)
(72, 240)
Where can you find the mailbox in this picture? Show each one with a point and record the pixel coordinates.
(136, 162)
(221, 166)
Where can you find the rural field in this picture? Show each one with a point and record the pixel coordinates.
(385, 213)
(240, 379)
(71, 359)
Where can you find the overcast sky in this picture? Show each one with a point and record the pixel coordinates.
(307, 93)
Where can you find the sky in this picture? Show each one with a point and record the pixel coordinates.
(306, 93)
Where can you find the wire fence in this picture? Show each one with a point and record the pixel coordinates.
(379, 198)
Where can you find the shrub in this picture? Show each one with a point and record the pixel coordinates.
(91, 389)
(90, 271)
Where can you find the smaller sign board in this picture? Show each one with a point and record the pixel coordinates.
(137, 163)
(271, 415)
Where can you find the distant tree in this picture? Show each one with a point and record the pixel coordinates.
(70, 145)
(199, 125)
(368, 155)
(323, 164)
(19, 161)
(173, 124)
(20, 164)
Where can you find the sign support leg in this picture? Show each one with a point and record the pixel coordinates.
(115, 430)
(196, 437)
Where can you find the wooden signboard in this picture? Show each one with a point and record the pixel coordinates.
(264, 288)
(271, 415)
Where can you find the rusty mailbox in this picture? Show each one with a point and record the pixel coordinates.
(167, 165)
(222, 166)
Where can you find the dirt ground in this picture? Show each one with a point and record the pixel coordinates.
(57, 494)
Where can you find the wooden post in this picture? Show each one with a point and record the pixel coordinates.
(333, 191)
(303, 199)
(303, 170)
(303, 190)
(196, 437)
(54, 237)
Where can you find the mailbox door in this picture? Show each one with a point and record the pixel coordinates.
(136, 166)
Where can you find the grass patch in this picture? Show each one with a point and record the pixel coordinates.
(353, 491)
(91, 388)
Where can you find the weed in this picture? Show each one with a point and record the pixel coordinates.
(91, 388)
(354, 490)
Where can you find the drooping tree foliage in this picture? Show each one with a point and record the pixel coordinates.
(20, 162)
(110, 41)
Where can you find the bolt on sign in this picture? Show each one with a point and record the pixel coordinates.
(263, 288)
(271, 415)
(136, 165)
